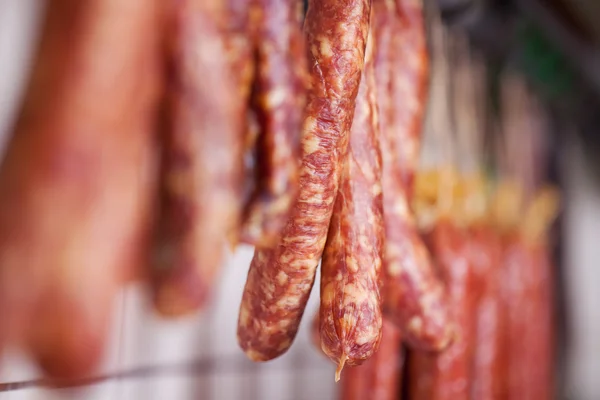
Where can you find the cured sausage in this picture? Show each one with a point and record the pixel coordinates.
(76, 179)
(239, 32)
(527, 298)
(378, 378)
(518, 303)
(350, 311)
(540, 337)
(485, 253)
(413, 294)
(315, 335)
(447, 375)
(202, 161)
(277, 104)
(410, 68)
(280, 279)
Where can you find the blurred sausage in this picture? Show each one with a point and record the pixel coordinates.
(277, 104)
(485, 253)
(77, 177)
(413, 293)
(378, 378)
(240, 33)
(350, 312)
(447, 375)
(280, 279)
(527, 300)
(202, 162)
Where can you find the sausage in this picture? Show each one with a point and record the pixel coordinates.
(410, 86)
(447, 375)
(414, 295)
(239, 32)
(277, 104)
(280, 279)
(315, 335)
(378, 378)
(350, 310)
(527, 299)
(540, 337)
(517, 304)
(485, 253)
(77, 177)
(202, 161)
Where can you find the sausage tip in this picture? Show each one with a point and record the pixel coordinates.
(340, 367)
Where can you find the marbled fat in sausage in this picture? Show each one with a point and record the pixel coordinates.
(280, 279)
(350, 312)
(75, 182)
(202, 161)
(413, 294)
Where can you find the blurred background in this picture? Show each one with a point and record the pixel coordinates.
(553, 44)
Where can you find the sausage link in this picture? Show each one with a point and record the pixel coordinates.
(413, 294)
(202, 162)
(278, 101)
(447, 375)
(528, 342)
(240, 49)
(280, 279)
(76, 179)
(514, 298)
(541, 335)
(485, 254)
(378, 378)
(410, 68)
(315, 335)
(350, 311)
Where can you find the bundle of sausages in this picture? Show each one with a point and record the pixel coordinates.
(154, 133)
(489, 241)
(151, 133)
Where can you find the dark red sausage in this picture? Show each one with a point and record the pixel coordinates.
(280, 279)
